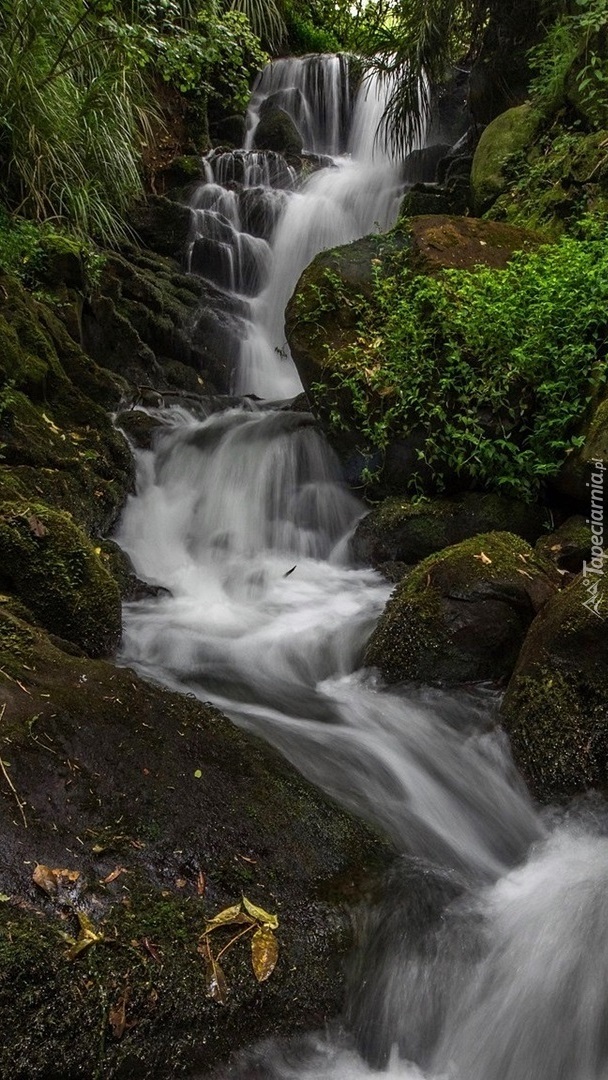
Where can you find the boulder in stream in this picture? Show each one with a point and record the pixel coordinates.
(462, 615)
(406, 531)
(556, 706)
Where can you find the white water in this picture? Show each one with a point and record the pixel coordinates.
(357, 194)
(487, 958)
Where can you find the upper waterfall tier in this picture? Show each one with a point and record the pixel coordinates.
(315, 91)
(259, 219)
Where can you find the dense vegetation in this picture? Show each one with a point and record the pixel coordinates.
(494, 368)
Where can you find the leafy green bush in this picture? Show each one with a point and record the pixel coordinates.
(494, 368)
(203, 52)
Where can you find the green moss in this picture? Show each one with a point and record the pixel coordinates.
(407, 531)
(508, 135)
(555, 181)
(555, 709)
(48, 562)
(438, 624)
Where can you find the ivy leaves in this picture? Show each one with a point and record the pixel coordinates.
(250, 920)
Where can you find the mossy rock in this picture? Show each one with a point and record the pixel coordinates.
(331, 300)
(400, 530)
(509, 135)
(162, 225)
(277, 132)
(569, 546)
(48, 562)
(561, 177)
(58, 442)
(114, 773)
(556, 706)
(462, 615)
(573, 480)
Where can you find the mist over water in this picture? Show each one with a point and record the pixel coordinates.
(486, 958)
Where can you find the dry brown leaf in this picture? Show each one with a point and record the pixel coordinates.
(201, 883)
(217, 987)
(261, 916)
(36, 526)
(115, 874)
(117, 1016)
(88, 936)
(49, 880)
(483, 558)
(180, 883)
(264, 953)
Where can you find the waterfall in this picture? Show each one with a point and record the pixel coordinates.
(257, 226)
(487, 956)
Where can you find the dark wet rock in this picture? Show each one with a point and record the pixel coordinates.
(162, 225)
(402, 531)
(230, 131)
(556, 706)
(415, 911)
(157, 326)
(277, 131)
(462, 615)
(260, 209)
(420, 166)
(425, 199)
(500, 77)
(52, 567)
(569, 546)
(181, 176)
(169, 814)
(139, 426)
(450, 113)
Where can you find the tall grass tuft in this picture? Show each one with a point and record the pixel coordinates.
(73, 115)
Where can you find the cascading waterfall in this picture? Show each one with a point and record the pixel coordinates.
(487, 957)
(257, 227)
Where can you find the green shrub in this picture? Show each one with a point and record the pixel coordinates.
(495, 368)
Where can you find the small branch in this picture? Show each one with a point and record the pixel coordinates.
(20, 804)
(234, 939)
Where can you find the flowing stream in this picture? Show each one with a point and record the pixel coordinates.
(487, 958)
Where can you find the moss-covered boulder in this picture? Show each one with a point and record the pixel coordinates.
(166, 814)
(49, 563)
(569, 546)
(462, 615)
(59, 445)
(332, 298)
(400, 530)
(575, 478)
(277, 132)
(556, 706)
(509, 135)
